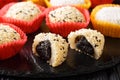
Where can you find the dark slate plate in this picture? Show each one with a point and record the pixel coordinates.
(25, 64)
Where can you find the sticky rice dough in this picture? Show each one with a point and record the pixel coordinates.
(23, 11)
(50, 47)
(8, 34)
(66, 14)
(87, 41)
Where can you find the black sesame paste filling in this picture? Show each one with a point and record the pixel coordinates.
(83, 45)
(44, 50)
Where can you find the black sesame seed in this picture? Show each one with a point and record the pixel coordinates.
(63, 48)
(52, 15)
(99, 40)
(64, 20)
(75, 17)
(96, 37)
(80, 21)
(60, 48)
(5, 30)
(54, 39)
(64, 57)
(15, 32)
(17, 13)
(31, 15)
(58, 21)
(14, 38)
(70, 18)
(96, 45)
(20, 11)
